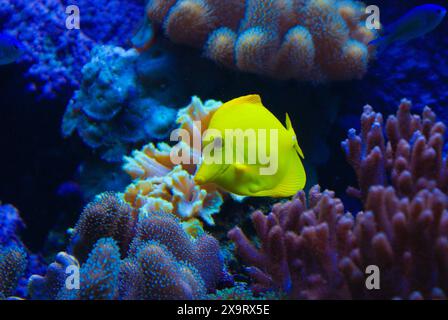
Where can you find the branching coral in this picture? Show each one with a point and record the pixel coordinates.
(40, 27)
(313, 40)
(318, 251)
(162, 185)
(106, 216)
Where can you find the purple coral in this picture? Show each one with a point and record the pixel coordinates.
(314, 249)
(119, 105)
(202, 254)
(10, 224)
(100, 274)
(163, 261)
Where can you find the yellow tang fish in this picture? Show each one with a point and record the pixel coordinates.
(247, 151)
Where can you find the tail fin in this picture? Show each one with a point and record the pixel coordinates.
(290, 129)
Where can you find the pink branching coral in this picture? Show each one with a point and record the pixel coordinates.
(314, 40)
(47, 287)
(412, 158)
(162, 185)
(314, 249)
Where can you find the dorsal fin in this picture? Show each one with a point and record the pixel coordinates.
(295, 142)
(249, 99)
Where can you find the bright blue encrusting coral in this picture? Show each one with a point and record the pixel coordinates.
(119, 103)
(49, 48)
(249, 35)
(102, 20)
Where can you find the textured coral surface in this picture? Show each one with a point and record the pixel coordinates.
(313, 40)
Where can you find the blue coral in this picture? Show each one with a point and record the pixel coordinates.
(202, 254)
(100, 274)
(47, 287)
(54, 54)
(254, 35)
(106, 216)
(155, 273)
